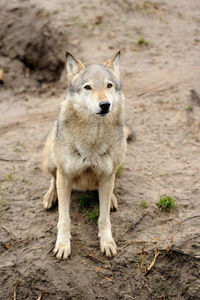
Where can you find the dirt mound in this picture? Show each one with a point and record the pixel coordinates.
(32, 46)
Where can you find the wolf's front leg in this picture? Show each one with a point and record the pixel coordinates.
(106, 240)
(64, 186)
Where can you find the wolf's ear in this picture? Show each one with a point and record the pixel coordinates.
(73, 65)
(113, 62)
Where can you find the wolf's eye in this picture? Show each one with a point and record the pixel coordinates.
(87, 87)
(109, 85)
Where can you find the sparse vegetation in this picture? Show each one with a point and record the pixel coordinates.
(16, 149)
(93, 215)
(166, 203)
(2, 195)
(10, 176)
(142, 42)
(86, 201)
(188, 107)
(119, 170)
(174, 101)
(87, 206)
(143, 204)
(149, 8)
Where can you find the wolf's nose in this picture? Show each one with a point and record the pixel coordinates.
(104, 105)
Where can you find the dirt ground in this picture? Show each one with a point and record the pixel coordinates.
(160, 44)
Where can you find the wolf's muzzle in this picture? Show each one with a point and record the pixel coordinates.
(104, 105)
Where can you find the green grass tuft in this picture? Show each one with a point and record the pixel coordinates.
(119, 170)
(2, 195)
(85, 201)
(143, 204)
(188, 107)
(142, 42)
(10, 176)
(93, 216)
(166, 203)
(87, 206)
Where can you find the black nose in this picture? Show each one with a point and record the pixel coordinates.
(104, 105)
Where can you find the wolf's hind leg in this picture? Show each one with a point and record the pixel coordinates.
(50, 198)
(113, 203)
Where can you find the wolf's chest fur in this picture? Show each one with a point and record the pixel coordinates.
(88, 152)
(87, 141)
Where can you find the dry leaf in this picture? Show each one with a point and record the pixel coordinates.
(7, 245)
(98, 20)
(109, 279)
(98, 269)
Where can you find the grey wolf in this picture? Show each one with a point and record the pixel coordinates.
(86, 146)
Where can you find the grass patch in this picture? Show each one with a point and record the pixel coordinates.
(10, 176)
(118, 173)
(166, 203)
(16, 149)
(174, 101)
(87, 205)
(188, 108)
(86, 201)
(143, 204)
(93, 215)
(2, 196)
(142, 42)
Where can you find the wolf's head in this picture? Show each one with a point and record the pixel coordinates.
(95, 88)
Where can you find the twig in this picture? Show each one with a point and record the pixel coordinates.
(141, 240)
(136, 223)
(13, 237)
(14, 199)
(15, 290)
(141, 287)
(153, 262)
(193, 217)
(8, 249)
(170, 244)
(40, 296)
(187, 254)
(22, 251)
(128, 296)
(5, 208)
(13, 160)
(143, 255)
(122, 252)
(94, 257)
(181, 252)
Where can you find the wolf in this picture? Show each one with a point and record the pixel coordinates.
(86, 146)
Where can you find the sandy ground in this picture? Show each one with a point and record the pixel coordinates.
(163, 159)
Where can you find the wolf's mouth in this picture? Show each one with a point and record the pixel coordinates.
(103, 112)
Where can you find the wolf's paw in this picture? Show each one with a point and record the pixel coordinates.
(50, 199)
(113, 203)
(108, 247)
(62, 251)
